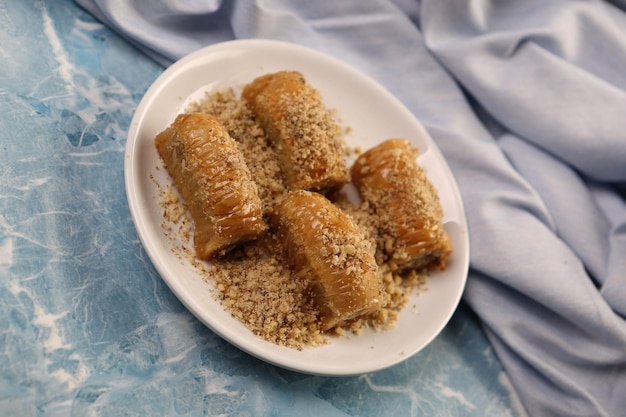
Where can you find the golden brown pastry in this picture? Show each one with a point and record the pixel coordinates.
(324, 246)
(300, 128)
(406, 203)
(211, 175)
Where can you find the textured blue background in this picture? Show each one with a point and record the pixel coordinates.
(87, 327)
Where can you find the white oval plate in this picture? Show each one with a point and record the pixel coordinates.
(374, 115)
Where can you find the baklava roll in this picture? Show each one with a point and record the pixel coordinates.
(300, 128)
(211, 175)
(406, 203)
(324, 246)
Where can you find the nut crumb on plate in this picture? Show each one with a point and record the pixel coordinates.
(251, 281)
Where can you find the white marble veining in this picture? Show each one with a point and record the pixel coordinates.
(87, 327)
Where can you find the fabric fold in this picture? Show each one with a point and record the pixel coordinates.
(566, 54)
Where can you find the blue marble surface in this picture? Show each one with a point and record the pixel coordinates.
(87, 327)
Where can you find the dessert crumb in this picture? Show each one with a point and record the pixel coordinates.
(251, 281)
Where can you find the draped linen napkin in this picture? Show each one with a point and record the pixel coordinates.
(527, 101)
